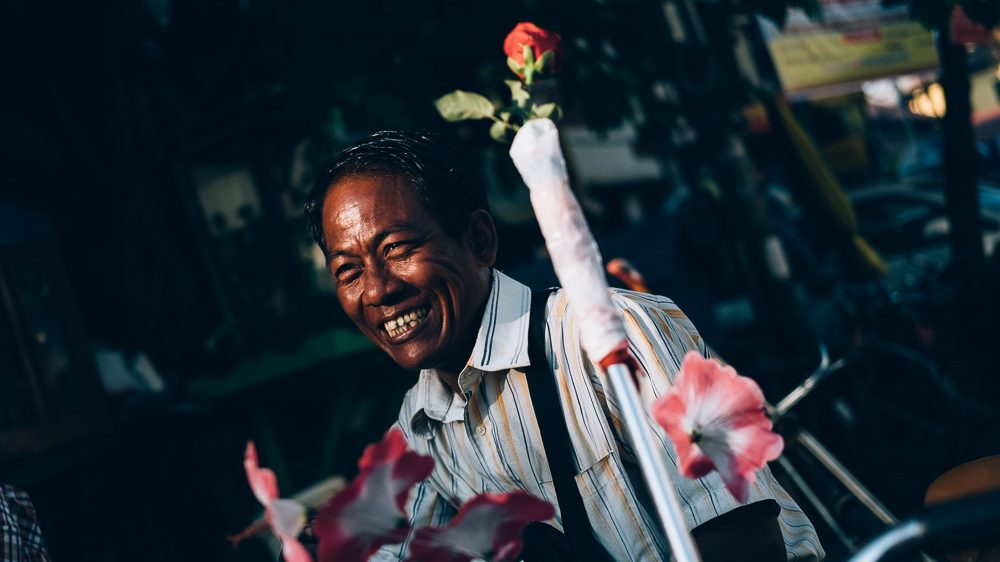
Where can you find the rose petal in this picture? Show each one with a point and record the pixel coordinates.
(540, 40)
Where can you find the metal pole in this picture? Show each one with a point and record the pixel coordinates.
(817, 504)
(845, 477)
(958, 149)
(964, 222)
(895, 540)
(653, 466)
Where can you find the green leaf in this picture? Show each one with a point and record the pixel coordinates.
(499, 131)
(514, 67)
(529, 65)
(529, 55)
(460, 106)
(547, 110)
(518, 94)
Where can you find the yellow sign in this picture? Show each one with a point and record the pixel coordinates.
(823, 58)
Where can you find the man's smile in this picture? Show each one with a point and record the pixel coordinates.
(403, 325)
(414, 289)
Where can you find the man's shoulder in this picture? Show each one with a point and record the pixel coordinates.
(623, 299)
(647, 316)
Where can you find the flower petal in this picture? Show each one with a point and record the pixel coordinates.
(369, 512)
(262, 481)
(540, 40)
(488, 527)
(287, 517)
(293, 551)
(715, 418)
(388, 450)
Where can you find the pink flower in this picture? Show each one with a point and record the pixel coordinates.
(487, 527)
(285, 517)
(716, 420)
(369, 512)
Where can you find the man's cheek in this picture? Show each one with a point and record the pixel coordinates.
(350, 303)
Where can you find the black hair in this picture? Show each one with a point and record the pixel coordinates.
(431, 168)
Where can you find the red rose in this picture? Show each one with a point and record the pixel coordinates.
(540, 40)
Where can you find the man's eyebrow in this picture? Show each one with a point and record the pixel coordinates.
(376, 240)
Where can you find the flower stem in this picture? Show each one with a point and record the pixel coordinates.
(505, 124)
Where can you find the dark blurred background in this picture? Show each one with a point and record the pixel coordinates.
(162, 302)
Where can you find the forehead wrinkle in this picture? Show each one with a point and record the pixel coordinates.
(371, 208)
(346, 220)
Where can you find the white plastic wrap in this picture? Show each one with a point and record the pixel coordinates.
(572, 248)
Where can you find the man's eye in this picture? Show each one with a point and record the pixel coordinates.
(346, 271)
(396, 248)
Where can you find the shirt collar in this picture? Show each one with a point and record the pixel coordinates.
(501, 344)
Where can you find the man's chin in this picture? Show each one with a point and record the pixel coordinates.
(411, 361)
(424, 361)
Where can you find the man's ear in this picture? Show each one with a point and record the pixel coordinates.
(481, 235)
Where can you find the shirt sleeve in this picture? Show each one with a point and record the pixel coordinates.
(659, 335)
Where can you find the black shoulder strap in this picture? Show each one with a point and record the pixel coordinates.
(555, 438)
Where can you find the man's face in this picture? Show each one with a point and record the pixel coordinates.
(412, 289)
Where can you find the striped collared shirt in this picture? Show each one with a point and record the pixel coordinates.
(486, 439)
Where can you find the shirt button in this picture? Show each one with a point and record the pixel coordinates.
(481, 430)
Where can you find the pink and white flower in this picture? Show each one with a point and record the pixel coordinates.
(716, 420)
(487, 527)
(286, 518)
(369, 512)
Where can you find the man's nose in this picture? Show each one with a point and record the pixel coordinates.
(381, 285)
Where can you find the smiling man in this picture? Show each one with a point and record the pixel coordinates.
(411, 245)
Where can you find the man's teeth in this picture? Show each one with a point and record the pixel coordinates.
(402, 323)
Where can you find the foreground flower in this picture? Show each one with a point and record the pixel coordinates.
(369, 512)
(285, 517)
(487, 527)
(715, 419)
(532, 50)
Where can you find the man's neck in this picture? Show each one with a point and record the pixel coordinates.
(451, 379)
(450, 373)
